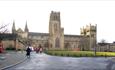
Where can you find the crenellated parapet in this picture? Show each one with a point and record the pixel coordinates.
(91, 32)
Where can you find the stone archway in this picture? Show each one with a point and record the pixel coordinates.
(57, 43)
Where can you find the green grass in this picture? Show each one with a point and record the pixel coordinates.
(80, 53)
(105, 53)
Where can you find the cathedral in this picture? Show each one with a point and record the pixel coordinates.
(56, 39)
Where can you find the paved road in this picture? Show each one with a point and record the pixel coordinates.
(47, 62)
(10, 58)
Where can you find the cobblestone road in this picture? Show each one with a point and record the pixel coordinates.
(47, 62)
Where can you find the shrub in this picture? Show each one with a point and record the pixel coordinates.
(10, 48)
(74, 55)
(67, 55)
(86, 55)
(19, 49)
(79, 53)
(62, 54)
(55, 54)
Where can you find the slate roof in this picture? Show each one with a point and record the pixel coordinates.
(8, 36)
(72, 35)
(38, 34)
(47, 34)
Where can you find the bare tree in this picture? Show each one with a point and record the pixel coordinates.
(3, 28)
(103, 42)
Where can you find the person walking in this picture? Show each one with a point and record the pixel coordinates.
(28, 50)
(40, 49)
(37, 50)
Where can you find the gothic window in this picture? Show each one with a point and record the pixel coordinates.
(67, 45)
(54, 17)
(57, 43)
(92, 35)
(55, 27)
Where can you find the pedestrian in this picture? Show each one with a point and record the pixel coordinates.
(28, 50)
(37, 50)
(40, 49)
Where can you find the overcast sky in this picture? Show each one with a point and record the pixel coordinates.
(74, 15)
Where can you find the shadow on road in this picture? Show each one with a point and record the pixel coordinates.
(109, 66)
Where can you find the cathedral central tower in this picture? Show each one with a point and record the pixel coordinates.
(56, 33)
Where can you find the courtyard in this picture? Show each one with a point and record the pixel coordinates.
(47, 62)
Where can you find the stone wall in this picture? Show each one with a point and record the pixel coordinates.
(8, 43)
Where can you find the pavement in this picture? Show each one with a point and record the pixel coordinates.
(11, 58)
(46, 62)
(9, 61)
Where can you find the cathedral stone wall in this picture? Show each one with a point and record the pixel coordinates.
(56, 39)
(38, 39)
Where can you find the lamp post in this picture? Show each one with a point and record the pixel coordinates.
(95, 50)
(95, 38)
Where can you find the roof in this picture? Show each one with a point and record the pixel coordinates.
(73, 35)
(47, 34)
(38, 34)
(112, 44)
(20, 30)
(7, 36)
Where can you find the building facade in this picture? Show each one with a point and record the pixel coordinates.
(56, 39)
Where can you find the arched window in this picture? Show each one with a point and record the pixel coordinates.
(57, 43)
(55, 27)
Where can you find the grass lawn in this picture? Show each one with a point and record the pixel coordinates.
(81, 53)
(105, 53)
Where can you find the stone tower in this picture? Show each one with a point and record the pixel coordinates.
(56, 33)
(93, 36)
(91, 33)
(26, 28)
(13, 28)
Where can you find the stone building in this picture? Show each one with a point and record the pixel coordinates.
(56, 39)
(56, 33)
(8, 40)
(91, 33)
(106, 47)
